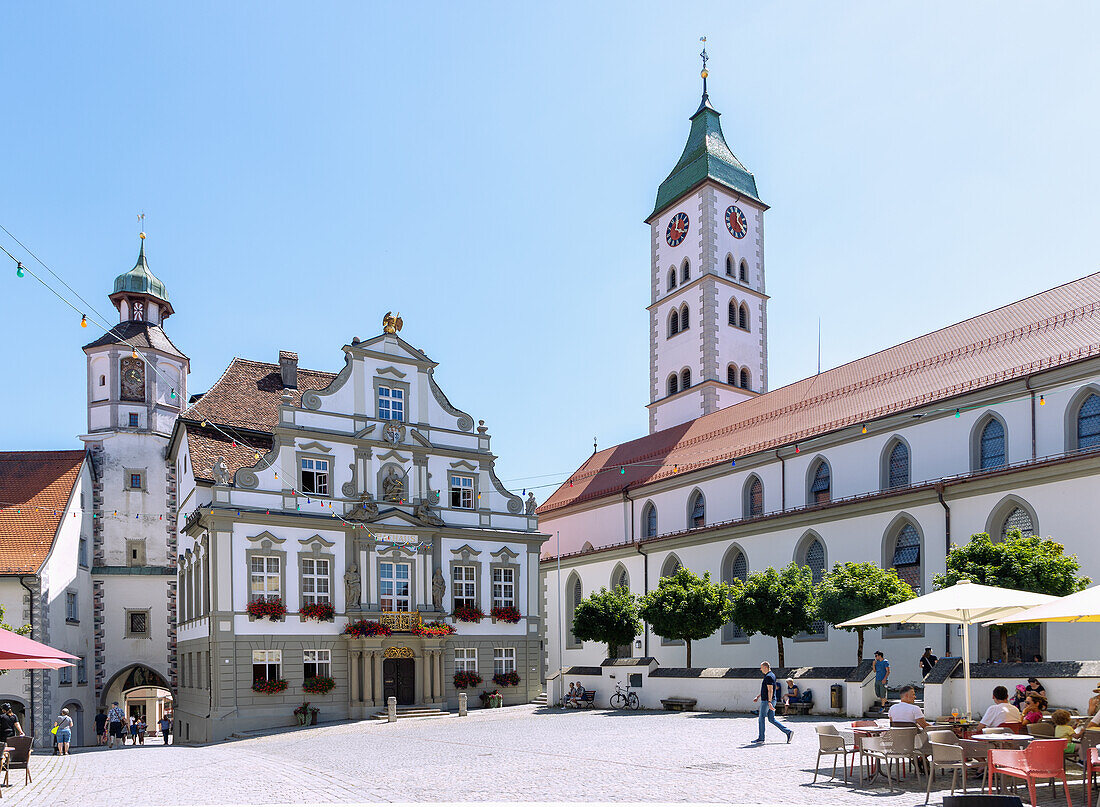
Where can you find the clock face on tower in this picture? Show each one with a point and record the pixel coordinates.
(133, 379)
(735, 222)
(677, 229)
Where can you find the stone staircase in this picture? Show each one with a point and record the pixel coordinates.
(407, 712)
(875, 712)
(540, 700)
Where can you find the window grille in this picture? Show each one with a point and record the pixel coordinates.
(819, 490)
(756, 498)
(898, 466)
(674, 323)
(1018, 519)
(698, 511)
(651, 522)
(744, 378)
(1088, 423)
(685, 379)
(992, 448)
(673, 384)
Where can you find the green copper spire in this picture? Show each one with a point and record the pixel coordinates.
(706, 155)
(140, 280)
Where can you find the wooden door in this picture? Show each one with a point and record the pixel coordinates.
(399, 680)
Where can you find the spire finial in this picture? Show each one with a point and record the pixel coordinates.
(141, 224)
(704, 72)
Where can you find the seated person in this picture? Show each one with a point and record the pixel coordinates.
(1019, 696)
(1062, 729)
(580, 691)
(1033, 708)
(1000, 712)
(571, 696)
(1089, 725)
(793, 695)
(906, 710)
(1033, 686)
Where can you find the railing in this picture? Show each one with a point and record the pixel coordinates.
(400, 621)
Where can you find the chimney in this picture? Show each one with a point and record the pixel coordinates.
(288, 369)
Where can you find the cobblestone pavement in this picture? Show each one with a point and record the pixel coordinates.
(515, 754)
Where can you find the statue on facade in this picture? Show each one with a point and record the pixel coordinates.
(531, 504)
(439, 588)
(364, 510)
(391, 323)
(393, 487)
(220, 472)
(351, 582)
(426, 513)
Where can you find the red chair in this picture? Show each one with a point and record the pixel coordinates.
(1092, 767)
(1015, 728)
(1041, 760)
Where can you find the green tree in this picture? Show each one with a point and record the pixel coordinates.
(688, 607)
(854, 589)
(608, 616)
(1027, 564)
(776, 603)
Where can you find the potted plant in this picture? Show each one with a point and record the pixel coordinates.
(468, 613)
(321, 611)
(367, 627)
(269, 686)
(508, 679)
(464, 679)
(491, 700)
(270, 607)
(318, 685)
(306, 715)
(505, 613)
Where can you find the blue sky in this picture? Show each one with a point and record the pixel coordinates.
(485, 168)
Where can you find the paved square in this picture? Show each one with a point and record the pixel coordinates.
(515, 754)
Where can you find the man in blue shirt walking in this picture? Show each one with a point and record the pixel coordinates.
(766, 699)
(882, 676)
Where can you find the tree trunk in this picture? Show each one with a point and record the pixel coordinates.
(1004, 645)
(688, 643)
(612, 650)
(859, 647)
(779, 642)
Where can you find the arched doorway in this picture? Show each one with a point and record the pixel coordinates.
(399, 680)
(140, 691)
(76, 712)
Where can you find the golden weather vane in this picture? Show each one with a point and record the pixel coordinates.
(141, 225)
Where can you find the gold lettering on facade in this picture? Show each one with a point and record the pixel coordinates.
(398, 652)
(400, 621)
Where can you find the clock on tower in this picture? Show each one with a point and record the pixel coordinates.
(133, 379)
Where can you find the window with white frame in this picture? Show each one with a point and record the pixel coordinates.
(504, 587)
(315, 581)
(315, 476)
(391, 403)
(465, 586)
(394, 586)
(267, 665)
(72, 612)
(504, 660)
(317, 663)
(465, 659)
(265, 577)
(462, 491)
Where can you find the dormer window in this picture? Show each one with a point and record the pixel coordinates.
(137, 311)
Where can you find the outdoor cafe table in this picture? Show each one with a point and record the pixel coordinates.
(1001, 741)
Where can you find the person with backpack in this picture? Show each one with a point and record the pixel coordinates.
(63, 732)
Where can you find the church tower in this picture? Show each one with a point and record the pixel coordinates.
(137, 386)
(708, 317)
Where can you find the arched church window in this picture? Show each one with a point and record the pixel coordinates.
(649, 521)
(897, 467)
(991, 445)
(754, 497)
(576, 595)
(729, 266)
(698, 512)
(734, 567)
(137, 311)
(814, 557)
(684, 317)
(906, 558)
(731, 375)
(685, 271)
(673, 384)
(1088, 423)
(1018, 519)
(733, 312)
(674, 323)
(685, 378)
(821, 487)
(743, 317)
(743, 272)
(744, 378)
(672, 278)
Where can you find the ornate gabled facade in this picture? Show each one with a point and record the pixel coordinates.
(366, 491)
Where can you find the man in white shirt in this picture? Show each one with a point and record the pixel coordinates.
(1000, 712)
(907, 710)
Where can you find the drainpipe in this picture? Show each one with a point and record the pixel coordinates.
(946, 549)
(30, 672)
(783, 481)
(1027, 386)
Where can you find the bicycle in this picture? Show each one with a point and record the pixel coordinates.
(624, 698)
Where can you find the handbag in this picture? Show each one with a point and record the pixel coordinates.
(53, 730)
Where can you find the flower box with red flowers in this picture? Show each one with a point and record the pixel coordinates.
(506, 613)
(464, 679)
(433, 629)
(269, 686)
(367, 627)
(508, 679)
(267, 607)
(321, 611)
(467, 613)
(318, 685)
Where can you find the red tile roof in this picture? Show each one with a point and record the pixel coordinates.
(244, 403)
(1055, 327)
(35, 487)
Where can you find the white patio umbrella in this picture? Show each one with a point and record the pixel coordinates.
(1084, 606)
(964, 603)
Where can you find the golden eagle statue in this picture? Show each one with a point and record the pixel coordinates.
(390, 323)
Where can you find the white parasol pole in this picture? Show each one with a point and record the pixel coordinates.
(966, 658)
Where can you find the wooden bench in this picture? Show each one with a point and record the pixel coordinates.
(799, 708)
(587, 700)
(678, 704)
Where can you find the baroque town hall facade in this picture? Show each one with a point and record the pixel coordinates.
(362, 497)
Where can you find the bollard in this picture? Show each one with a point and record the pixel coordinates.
(391, 710)
(462, 704)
